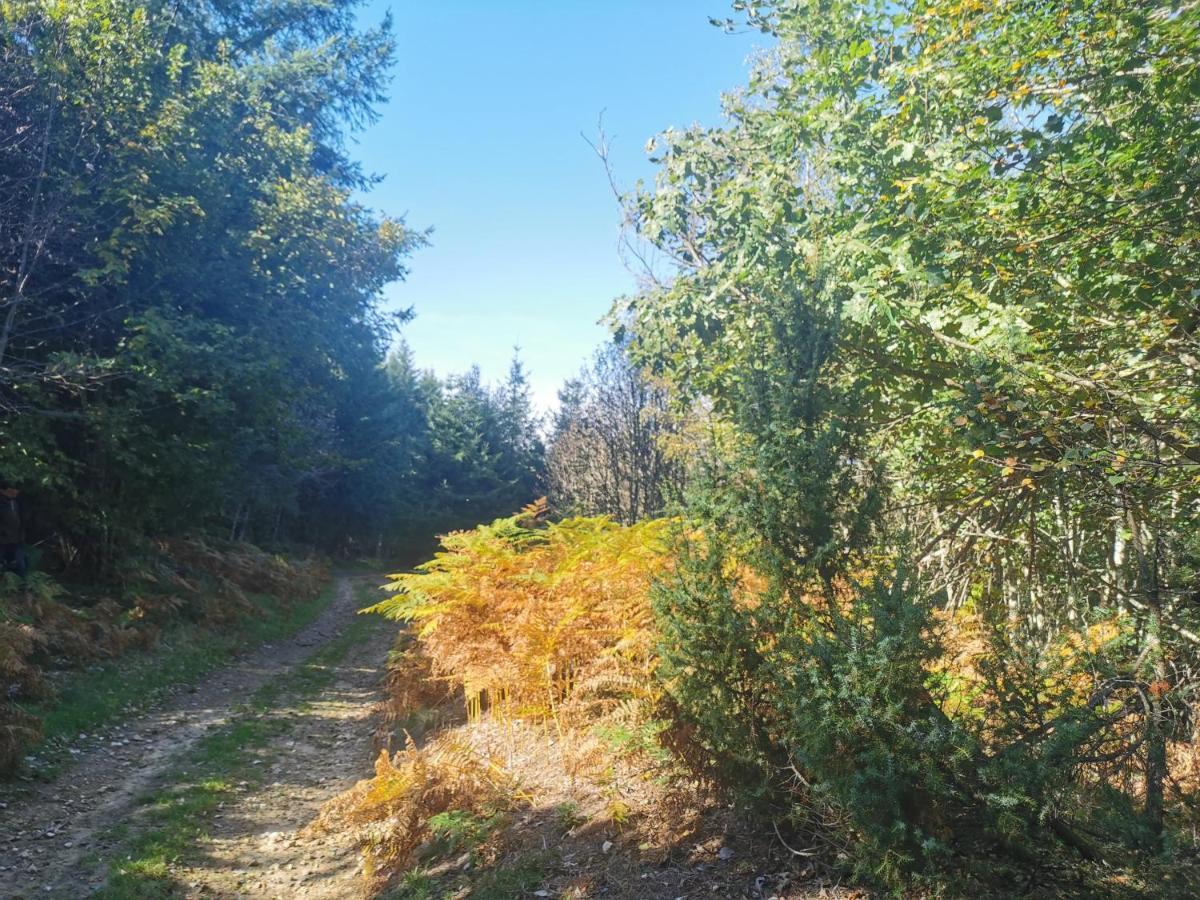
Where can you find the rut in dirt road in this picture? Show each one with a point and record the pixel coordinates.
(58, 839)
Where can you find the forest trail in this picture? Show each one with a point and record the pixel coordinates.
(257, 746)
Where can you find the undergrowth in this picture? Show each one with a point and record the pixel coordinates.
(67, 660)
(430, 801)
(519, 620)
(847, 723)
(535, 620)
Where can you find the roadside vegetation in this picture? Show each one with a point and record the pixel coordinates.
(531, 649)
(76, 662)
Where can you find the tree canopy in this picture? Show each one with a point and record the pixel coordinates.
(190, 327)
(937, 272)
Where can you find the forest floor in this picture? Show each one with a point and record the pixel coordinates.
(206, 795)
(212, 793)
(576, 831)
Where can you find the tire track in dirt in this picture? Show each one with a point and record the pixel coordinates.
(257, 847)
(49, 832)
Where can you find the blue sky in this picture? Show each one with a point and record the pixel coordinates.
(481, 141)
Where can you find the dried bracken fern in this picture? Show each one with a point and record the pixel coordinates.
(546, 623)
(410, 684)
(240, 569)
(529, 621)
(42, 626)
(389, 814)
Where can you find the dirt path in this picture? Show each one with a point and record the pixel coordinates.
(55, 840)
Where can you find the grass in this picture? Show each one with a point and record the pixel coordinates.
(176, 817)
(568, 815)
(91, 699)
(369, 592)
(518, 878)
(459, 831)
(366, 565)
(414, 886)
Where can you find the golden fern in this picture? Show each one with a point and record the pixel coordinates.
(517, 614)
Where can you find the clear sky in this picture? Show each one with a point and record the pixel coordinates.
(481, 142)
